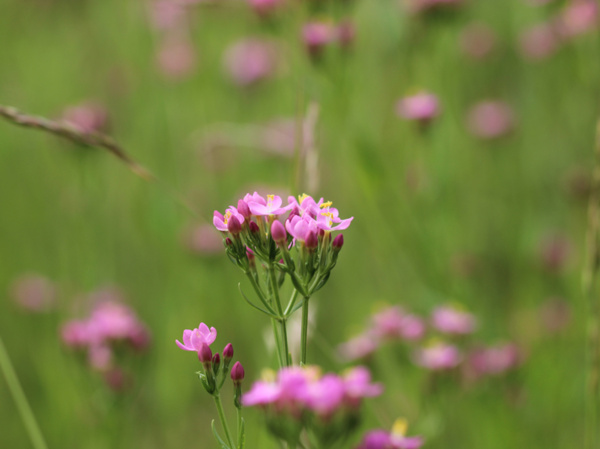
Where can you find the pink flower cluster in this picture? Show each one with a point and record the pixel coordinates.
(381, 439)
(543, 39)
(109, 324)
(307, 217)
(422, 106)
(298, 390)
(391, 323)
(317, 35)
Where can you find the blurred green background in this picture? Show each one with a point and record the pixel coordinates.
(440, 214)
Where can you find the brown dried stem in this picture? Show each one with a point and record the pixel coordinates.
(74, 134)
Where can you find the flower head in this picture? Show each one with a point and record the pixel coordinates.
(422, 106)
(194, 339)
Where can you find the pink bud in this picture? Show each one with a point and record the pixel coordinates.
(253, 227)
(338, 242)
(250, 254)
(228, 241)
(233, 225)
(237, 372)
(228, 351)
(216, 359)
(278, 232)
(312, 241)
(205, 354)
(242, 208)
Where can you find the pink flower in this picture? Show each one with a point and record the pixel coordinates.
(195, 338)
(176, 58)
(539, 41)
(330, 215)
(250, 61)
(422, 106)
(577, 18)
(316, 35)
(265, 8)
(300, 227)
(393, 322)
(396, 439)
(477, 40)
(34, 293)
(357, 385)
(490, 119)
(359, 347)
(493, 359)
(220, 221)
(272, 206)
(450, 320)
(297, 390)
(166, 14)
(423, 6)
(203, 240)
(88, 117)
(438, 356)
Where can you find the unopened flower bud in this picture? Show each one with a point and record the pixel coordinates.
(205, 354)
(278, 233)
(243, 209)
(216, 362)
(253, 227)
(233, 225)
(312, 241)
(228, 351)
(338, 242)
(237, 373)
(228, 242)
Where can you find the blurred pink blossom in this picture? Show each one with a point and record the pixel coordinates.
(555, 314)
(109, 323)
(393, 322)
(578, 17)
(423, 6)
(438, 356)
(422, 106)
(450, 320)
(203, 240)
(493, 360)
(359, 347)
(250, 61)
(554, 251)
(539, 41)
(265, 8)
(176, 58)
(166, 14)
(88, 117)
(34, 293)
(317, 35)
(477, 40)
(490, 119)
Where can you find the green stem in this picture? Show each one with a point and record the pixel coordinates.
(304, 334)
(239, 426)
(291, 303)
(35, 434)
(217, 398)
(275, 288)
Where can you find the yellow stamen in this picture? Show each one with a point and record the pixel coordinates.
(302, 197)
(268, 375)
(327, 204)
(270, 198)
(400, 427)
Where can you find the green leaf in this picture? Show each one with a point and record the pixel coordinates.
(216, 434)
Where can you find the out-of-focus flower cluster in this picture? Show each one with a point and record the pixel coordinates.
(111, 327)
(396, 439)
(302, 397)
(438, 344)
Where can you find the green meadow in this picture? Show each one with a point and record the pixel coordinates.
(441, 215)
